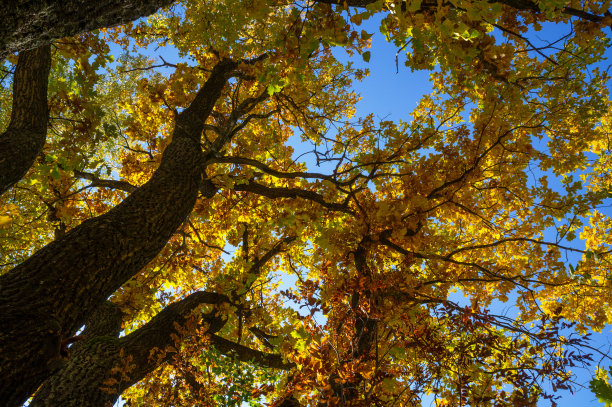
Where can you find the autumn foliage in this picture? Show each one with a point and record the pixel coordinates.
(228, 230)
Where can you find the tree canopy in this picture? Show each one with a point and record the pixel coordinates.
(219, 227)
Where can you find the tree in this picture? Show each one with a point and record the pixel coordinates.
(171, 189)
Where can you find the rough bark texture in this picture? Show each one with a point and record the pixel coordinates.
(47, 297)
(103, 366)
(25, 136)
(29, 24)
(78, 382)
(105, 320)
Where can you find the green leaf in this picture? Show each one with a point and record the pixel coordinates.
(389, 385)
(251, 279)
(310, 48)
(300, 333)
(55, 173)
(602, 391)
(274, 88)
(277, 86)
(397, 352)
(366, 56)
(384, 30)
(365, 35)
(414, 6)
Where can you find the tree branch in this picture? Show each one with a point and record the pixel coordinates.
(29, 24)
(245, 354)
(25, 136)
(104, 365)
(279, 192)
(270, 171)
(47, 297)
(105, 183)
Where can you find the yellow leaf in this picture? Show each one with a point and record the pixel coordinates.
(5, 221)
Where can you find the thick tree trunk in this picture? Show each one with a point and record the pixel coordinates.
(47, 297)
(29, 24)
(25, 136)
(101, 332)
(102, 367)
(80, 381)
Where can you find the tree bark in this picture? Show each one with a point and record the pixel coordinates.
(104, 321)
(30, 24)
(104, 366)
(25, 136)
(47, 297)
(120, 362)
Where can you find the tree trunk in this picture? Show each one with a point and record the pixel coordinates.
(85, 363)
(29, 24)
(25, 136)
(102, 367)
(47, 297)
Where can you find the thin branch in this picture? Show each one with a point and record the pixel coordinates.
(279, 192)
(105, 183)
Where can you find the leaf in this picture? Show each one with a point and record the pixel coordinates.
(300, 333)
(365, 35)
(5, 221)
(397, 352)
(389, 385)
(414, 6)
(55, 173)
(366, 56)
(277, 86)
(602, 390)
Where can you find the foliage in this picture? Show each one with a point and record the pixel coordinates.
(601, 388)
(373, 255)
